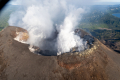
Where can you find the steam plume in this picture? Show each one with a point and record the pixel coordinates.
(41, 18)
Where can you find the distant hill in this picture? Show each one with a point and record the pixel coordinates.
(103, 25)
(5, 14)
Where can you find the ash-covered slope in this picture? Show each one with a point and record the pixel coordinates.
(18, 63)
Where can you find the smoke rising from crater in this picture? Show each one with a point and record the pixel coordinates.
(42, 18)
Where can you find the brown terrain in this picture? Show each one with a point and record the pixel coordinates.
(18, 63)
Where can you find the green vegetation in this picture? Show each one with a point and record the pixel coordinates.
(101, 23)
(5, 14)
(106, 34)
(4, 20)
(92, 26)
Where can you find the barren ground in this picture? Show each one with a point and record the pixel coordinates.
(18, 63)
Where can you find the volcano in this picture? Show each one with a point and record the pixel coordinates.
(17, 62)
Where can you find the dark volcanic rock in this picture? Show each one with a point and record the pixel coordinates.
(88, 40)
(86, 37)
(18, 63)
(114, 45)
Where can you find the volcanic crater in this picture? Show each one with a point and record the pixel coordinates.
(17, 62)
(22, 35)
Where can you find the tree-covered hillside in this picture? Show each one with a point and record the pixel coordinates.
(101, 23)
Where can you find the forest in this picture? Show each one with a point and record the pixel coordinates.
(101, 23)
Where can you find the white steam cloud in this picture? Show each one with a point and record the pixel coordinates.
(67, 39)
(41, 18)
